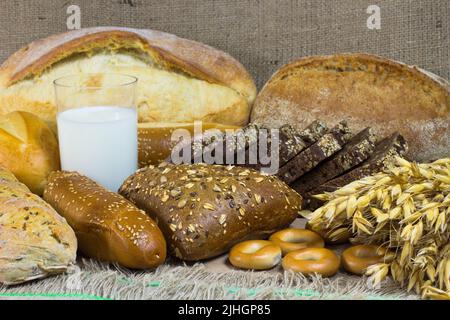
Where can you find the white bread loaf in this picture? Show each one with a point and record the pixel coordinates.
(28, 148)
(179, 80)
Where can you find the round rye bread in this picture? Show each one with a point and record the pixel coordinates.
(365, 90)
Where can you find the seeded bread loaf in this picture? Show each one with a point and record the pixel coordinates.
(203, 210)
(294, 141)
(358, 149)
(156, 141)
(35, 241)
(108, 226)
(306, 160)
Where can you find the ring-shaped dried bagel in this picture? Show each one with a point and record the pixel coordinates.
(309, 261)
(292, 239)
(255, 254)
(358, 258)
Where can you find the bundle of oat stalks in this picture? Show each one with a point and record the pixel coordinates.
(407, 209)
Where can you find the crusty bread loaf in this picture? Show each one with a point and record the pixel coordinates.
(35, 241)
(28, 148)
(382, 157)
(366, 90)
(203, 210)
(108, 227)
(179, 80)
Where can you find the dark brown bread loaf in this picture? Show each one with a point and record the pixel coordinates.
(293, 142)
(354, 152)
(232, 141)
(382, 157)
(108, 227)
(203, 210)
(325, 147)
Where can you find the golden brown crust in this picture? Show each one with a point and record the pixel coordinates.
(357, 259)
(255, 255)
(309, 261)
(108, 227)
(292, 239)
(28, 148)
(367, 91)
(194, 58)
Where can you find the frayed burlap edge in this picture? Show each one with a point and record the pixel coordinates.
(94, 280)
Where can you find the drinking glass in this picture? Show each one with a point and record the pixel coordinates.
(97, 126)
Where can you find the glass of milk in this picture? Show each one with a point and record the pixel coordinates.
(97, 126)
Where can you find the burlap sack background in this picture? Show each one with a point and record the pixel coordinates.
(262, 34)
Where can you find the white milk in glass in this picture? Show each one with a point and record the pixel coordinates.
(99, 142)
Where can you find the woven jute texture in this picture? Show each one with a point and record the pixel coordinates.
(212, 279)
(262, 34)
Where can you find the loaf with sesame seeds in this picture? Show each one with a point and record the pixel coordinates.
(108, 227)
(203, 209)
(35, 241)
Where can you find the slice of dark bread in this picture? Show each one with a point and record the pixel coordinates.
(382, 158)
(325, 147)
(358, 149)
(292, 141)
(203, 147)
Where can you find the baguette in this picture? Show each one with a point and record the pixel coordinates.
(35, 241)
(108, 227)
(203, 210)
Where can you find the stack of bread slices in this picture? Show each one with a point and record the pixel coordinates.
(315, 159)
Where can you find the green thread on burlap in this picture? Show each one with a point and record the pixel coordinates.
(53, 295)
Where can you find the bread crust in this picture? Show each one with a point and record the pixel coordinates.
(35, 241)
(191, 57)
(203, 210)
(107, 226)
(28, 148)
(366, 90)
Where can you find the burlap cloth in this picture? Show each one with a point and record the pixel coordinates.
(263, 35)
(214, 279)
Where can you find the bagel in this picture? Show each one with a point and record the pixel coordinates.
(255, 254)
(358, 258)
(292, 239)
(309, 261)
(331, 236)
